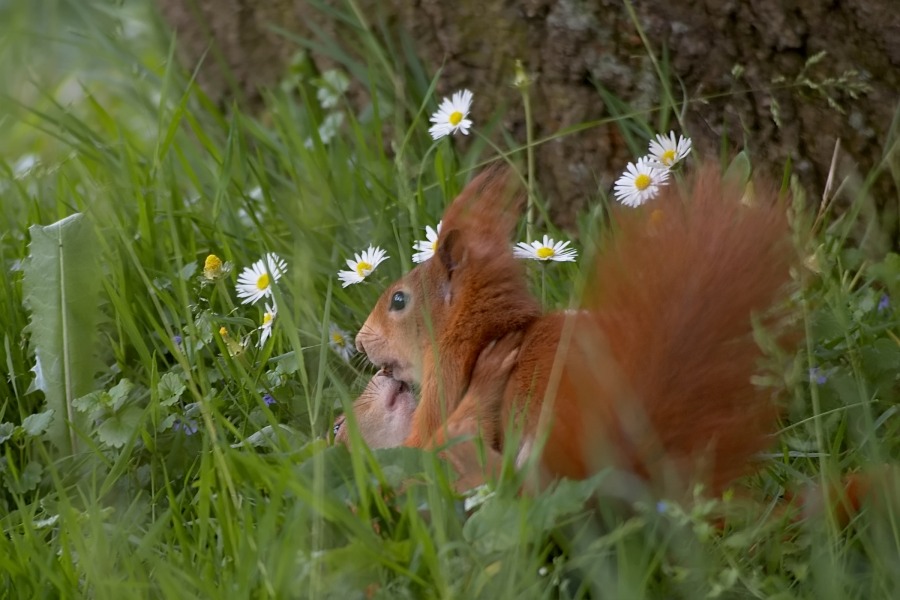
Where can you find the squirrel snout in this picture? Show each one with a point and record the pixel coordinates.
(359, 344)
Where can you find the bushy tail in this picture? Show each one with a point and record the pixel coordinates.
(673, 295)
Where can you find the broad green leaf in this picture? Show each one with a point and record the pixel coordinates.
(170, 389)
(28, 478)
(882, 355)
(495, 527)
(93, 402)
(167, 423)
(118, 429)
(739, 169)
(61, 290)
(6, 431)
(119, 393)
(37, 424)
(188, 271)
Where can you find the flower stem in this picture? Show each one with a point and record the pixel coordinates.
(529, 153)
(523, 82)
(543, 286)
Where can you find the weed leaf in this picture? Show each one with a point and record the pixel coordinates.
(60, 289)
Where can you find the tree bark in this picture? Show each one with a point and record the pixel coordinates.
(746, 68)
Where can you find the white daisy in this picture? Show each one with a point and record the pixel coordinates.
(665, 151)
(267, 321)
(255, 282)
(330, 126)
(427, 247)
(546, 250)
(451, 115)
(341, 342)
(639, 183)
(331, 87)
(364, 264)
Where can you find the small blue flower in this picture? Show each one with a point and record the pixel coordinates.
(177, 339)
(268, 399)
(818, 376)
(188, 426)
(661, 506)
(884, 303)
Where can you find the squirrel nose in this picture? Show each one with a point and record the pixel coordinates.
(359, 343)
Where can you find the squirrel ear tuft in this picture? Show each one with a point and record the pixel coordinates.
(451, 250)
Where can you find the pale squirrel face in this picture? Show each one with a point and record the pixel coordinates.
(383, 413)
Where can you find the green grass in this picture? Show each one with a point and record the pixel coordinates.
(144, 506)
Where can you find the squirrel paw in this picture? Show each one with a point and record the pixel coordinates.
(497, 360)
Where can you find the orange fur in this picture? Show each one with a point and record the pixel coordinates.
(654, 376)
(436, 341)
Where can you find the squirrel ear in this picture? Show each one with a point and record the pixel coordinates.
(451, 251)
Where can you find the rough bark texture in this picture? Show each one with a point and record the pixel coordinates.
(747, 58)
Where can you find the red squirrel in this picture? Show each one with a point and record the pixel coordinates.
(652, 375)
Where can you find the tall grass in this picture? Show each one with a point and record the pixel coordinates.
(202, 467)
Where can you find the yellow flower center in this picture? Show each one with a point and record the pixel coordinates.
(338, 339)
(642, 182)
(213, 263)
(544, 252)
(267, 318)
(434, 246)
(667, 158)
(223, 332)
(263, 281)
(455, 118)
(363, 268)
(212, 267)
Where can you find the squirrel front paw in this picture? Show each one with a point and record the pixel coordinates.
(495, 363)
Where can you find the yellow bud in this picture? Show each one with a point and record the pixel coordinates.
(212, 267)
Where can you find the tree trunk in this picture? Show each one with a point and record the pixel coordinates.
(746, 67)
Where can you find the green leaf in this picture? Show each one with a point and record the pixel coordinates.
(739, 169)
(28, 478)
(6, 431)
(61, 289)
(188, 271)
(35, 425)
(170, 389)
(119, 393)
(93, 402)
(166, 423)
(118, 429)
(265, 437)
(496, 527)
(882, 355)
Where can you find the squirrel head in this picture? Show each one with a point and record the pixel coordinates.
(383, 413)
(460, 292)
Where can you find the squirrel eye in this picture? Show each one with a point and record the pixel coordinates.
(398, 301)
(337, 425)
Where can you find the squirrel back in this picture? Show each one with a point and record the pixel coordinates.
(655, 374)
